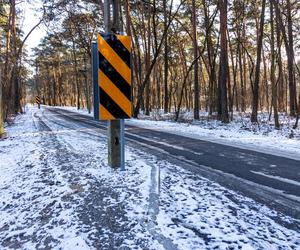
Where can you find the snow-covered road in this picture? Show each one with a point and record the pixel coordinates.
(57, 192)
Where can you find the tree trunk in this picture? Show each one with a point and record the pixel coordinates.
(87, 85)
(223, 107)
(196, 66)
(273, 56)
(1, 106)
(76, 75)
(258, 60)
(148, 45)
(166, 62)
(290, 53)
(289, 47)
(280, 79)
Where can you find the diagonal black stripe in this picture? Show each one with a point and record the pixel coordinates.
(118, 47)
(111, 106)
(114, 76)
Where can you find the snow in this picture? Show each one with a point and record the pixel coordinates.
(192, 206)
(57, 192)
(297, 183)
(74, 243)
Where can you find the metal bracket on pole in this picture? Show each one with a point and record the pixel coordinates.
(116, 139)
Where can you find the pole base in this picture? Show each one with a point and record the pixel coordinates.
(116, 149)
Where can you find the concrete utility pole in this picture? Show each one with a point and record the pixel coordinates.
(116, 147)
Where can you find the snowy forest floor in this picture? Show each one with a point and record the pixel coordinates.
(57, 192)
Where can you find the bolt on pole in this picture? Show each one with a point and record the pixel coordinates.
(116, 147)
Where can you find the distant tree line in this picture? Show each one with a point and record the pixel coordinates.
(13, 72)
(216, 56)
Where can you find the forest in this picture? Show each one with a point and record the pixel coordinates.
(208, 57)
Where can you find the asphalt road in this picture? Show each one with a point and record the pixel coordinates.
(268, 179)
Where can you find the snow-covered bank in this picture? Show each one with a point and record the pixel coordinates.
(57, 191)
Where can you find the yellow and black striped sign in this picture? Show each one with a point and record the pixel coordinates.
(38, 99)
(114, 76)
